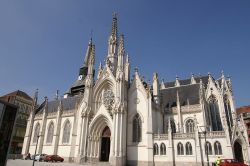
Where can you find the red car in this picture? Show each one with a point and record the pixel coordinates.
(231, 162)
(53, 158)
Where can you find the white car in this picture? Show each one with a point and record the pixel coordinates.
(40, 157)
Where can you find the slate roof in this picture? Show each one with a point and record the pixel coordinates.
(68, 103)
(18, 93)
(188, 81)
(78, 83)
(187, 93)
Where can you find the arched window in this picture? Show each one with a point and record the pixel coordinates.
(50, 133)
(173, 127)
(172, 124)
(180, 149)
(215, 114)
(137, 125)
(66, 132)
(208, 148)
(36, 133)
(189, 150)
(189, 126)
(163, 149)
(217, 148)
(156, 152)
(228, 112)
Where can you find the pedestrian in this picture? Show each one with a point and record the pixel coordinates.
(217, 161)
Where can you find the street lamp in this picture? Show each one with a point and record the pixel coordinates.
(35, 150)
(205, 136)
(201, 152)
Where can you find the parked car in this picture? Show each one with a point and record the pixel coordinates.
(33, 157)
(231, 162)
(40, 157)
(53, 158)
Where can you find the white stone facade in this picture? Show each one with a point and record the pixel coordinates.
(129, 122)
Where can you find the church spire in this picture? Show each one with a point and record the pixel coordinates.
(112, 44)
(88, 52)
(114, 26)
(121, 52)
(84, 68)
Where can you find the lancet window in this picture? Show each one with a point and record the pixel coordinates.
(36, 133)
(50, 133)
(215, 114)
(137, 128)
(66, 132)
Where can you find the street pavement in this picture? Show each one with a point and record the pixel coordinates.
(19, 162)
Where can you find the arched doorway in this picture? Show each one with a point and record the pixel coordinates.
(105, 144)
(238, 151)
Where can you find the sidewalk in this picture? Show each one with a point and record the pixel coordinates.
(19, 162)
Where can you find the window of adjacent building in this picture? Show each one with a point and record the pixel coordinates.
(36, 133)
(208, 148)
(215, 114)
(66, 132)
(190, 126)
(180, 149)
(163, 149)
(50, 133)
(189, 150)
(156, 152)
(217, 148)
(137, 126)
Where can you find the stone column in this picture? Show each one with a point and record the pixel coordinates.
(58, 128)
(119, 140)
(42, 131)
(83, 139)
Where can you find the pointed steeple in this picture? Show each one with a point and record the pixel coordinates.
(35, 100)
(91, 60)
(84, 69)
(222, 80)
(222, 74)
(114, 26)
(209, 76)
(121, 53)
(88, 52)
(177, 82)
(99, 70)
(127, 69)
(121, 49)
(127, 59)
(156, 87)
(60, 105)
(57, 95)
(162, 84)
(112, 44)
(193, 81)
(46, 104)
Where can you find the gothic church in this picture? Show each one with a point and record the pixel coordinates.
(126, 121)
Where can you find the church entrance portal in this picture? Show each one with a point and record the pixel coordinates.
(238, 151)
(105, 144)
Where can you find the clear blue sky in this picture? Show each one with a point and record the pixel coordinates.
(43, 43)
